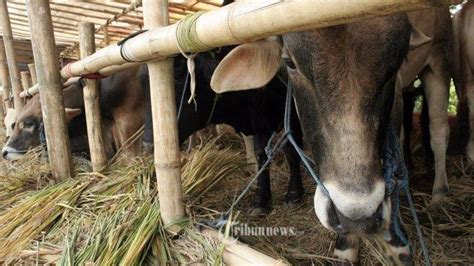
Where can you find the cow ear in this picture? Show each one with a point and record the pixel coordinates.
(249, 66)
(418, 38)
(71, 113)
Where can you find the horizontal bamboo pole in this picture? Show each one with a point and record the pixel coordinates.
(236, 253)
(246, 22)
(35, 88)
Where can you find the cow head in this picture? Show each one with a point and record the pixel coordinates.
(26, 128)
(343, 79)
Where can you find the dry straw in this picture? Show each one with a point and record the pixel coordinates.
(110, 218)
(116, 219)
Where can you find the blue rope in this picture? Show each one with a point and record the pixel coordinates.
(286, 136)
(393, 166)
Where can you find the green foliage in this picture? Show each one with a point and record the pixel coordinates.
(453, 101)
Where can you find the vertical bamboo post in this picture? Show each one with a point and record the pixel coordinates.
(5, 80)
(25, 80)
(106, 35)
(165, 128)
(32, 69)
(3, 112)
(10, 55)
(91, 102)
(51, 93)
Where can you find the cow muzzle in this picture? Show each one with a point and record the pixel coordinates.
(353, 212)
(9, 153)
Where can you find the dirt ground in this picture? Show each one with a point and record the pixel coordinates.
(448, 230)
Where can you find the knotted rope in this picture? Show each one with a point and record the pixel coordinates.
(188, 40)
(395, 175)
(186, 34)
(396, 180)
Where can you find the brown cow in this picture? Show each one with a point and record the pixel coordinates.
(344, 79)
(463, 29)
(431, 61)
(122, 108)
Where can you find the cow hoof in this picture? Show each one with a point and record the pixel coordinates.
(437, 201)
(294, 197)
(342, 263)
(147, 147)
(260, 212)
(439, 196)
(405, 259)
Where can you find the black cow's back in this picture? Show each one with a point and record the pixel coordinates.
(250, 112)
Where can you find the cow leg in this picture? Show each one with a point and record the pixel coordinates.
(470, 99)
(263, 197)
(347, 249)
(395, 237)
(250, 152)
(148, 131)
(437, 96)
(295, 187)
(147, 139)
(408, 106)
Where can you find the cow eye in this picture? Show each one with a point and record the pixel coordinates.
(28, 124)
(13, 125)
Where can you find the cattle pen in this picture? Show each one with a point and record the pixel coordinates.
(60, 208)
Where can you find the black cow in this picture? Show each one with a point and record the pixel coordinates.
(256, 112)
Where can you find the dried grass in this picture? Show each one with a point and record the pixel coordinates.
(115, 218)
(448, 231)
(109, 218)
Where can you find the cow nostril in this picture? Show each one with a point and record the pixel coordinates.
(4, 154)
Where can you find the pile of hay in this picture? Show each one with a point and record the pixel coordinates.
(448, 230)
(107, 218)
(114, 217)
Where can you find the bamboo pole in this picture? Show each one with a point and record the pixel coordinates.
(3, 112)
(131, 7)
(106, 35)
(25, 81)
(11, 56)
(236, 253)
(32, 69)
(51, 96)
(35, 88)
(165, 127)
(237, 23)
(5, 80)
(91, 102)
